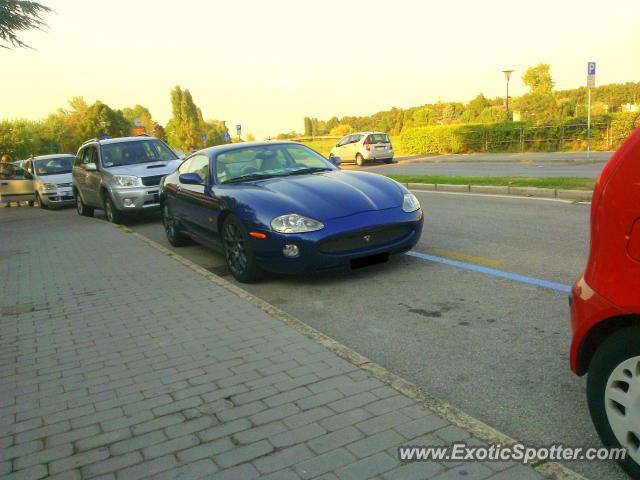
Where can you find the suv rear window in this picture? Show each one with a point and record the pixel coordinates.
(134, 152)
(378, 138)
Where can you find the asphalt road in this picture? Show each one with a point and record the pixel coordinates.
(556, 164)
(497, 349)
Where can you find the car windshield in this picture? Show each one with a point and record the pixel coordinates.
(253, 163)
(134, 152)
(378, 138)
(53, 166)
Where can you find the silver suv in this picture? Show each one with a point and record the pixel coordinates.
(121, 175)
(364, 146)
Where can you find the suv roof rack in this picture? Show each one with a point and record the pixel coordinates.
(90, 140)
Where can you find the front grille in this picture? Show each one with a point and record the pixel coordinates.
(61, 185)
(152, 181)
(364, 239)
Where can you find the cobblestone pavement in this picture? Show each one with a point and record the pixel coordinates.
(119, 362)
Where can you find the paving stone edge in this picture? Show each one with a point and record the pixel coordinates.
(475, 427)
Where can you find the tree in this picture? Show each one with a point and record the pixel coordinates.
(341, 130)
(538, 79)
(186, 127)
(141, 113)
(540, 104)
(101, 120)
(19, 16)
(308, 127)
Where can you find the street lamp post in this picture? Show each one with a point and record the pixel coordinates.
(507, 75)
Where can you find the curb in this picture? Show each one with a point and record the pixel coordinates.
(455, 416)
(576, 195)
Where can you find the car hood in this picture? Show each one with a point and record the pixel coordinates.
(146, 169)
(57, 178)
(325, 196)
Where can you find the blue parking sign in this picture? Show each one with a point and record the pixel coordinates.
(204, 137)
(591, 68)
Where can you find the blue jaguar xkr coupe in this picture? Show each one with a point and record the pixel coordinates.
(282, 207)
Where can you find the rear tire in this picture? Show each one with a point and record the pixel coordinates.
(238, 252)
(359, 160)
(388, 160)
(81, 208)
(111, 212)
(614, 374)
(172, 230)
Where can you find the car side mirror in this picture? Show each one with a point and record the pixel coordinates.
(335, 160)
(190, 178)
(91, 167)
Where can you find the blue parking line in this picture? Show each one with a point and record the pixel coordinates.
(493, 272)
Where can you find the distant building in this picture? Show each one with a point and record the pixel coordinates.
(517, 116)
(630, 107)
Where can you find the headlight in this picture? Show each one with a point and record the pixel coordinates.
(410, 203)
(49, 186)
(127, 180)
(294, 223)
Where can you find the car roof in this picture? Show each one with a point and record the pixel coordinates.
(107, 141)
(54, 155)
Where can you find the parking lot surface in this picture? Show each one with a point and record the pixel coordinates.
(120, 362)
(495, 348)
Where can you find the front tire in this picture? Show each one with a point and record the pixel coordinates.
(388, 161)
(41, 204)
(613, 394)
(359, 160)
(238, 252)
(111, 212)
(81, 208)
(175, 237)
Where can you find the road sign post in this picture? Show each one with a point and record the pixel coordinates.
(239, 130)
(591, 82)
(204, 139)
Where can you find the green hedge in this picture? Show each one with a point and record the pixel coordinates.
(607, 132)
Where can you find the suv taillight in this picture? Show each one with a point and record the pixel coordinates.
(366, 146)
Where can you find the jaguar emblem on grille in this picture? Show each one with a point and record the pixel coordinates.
(367, 238)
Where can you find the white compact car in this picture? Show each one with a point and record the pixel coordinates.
(363, 147)
(52, 179)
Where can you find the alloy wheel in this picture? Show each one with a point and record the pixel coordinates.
(622, 404)
(108, 210)
(169, 225)
(234, 249)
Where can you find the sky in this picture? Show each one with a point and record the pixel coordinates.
(267, 64)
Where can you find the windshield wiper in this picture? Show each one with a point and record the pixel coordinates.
(302, 171)
(250, 176)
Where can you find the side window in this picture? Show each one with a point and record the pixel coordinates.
(356, 138)
(200, 164)
(343, 141)
(89, 156)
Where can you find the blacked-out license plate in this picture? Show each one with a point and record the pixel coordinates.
(369, 260)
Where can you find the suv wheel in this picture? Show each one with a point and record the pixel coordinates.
(613, 394)
(359, 160)
(238, 253)
(111, 212)
(172, 230)
(81, 208)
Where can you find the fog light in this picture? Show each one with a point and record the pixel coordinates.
(128, 202)
(290, 251)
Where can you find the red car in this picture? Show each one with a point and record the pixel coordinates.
(605, 306)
